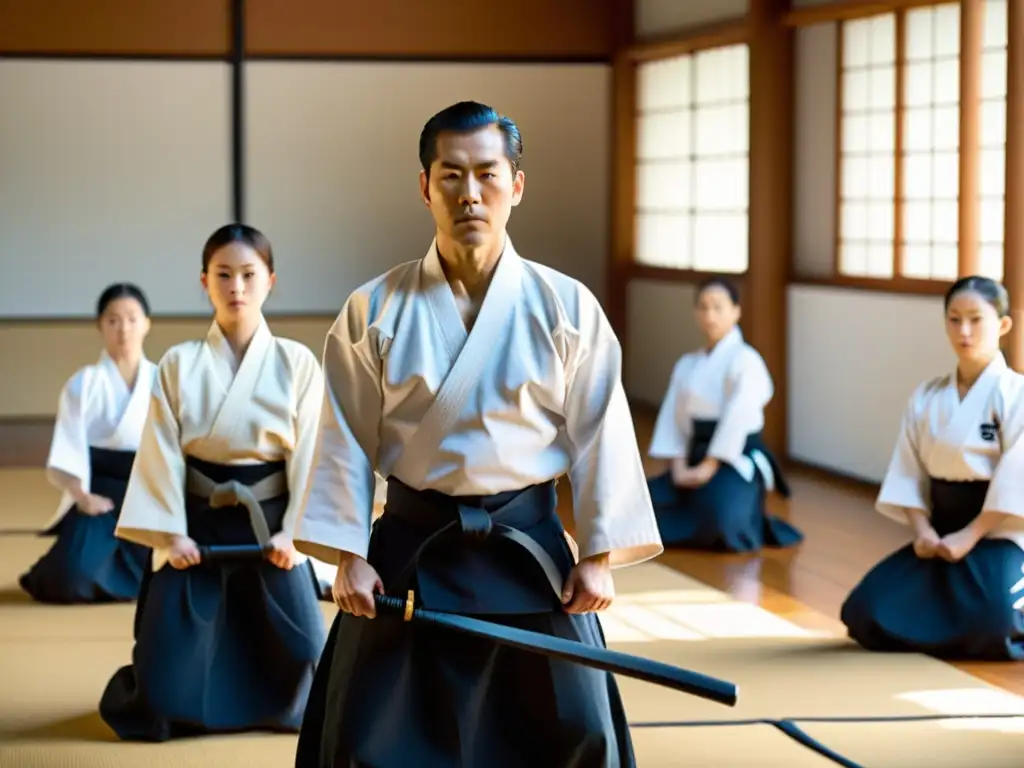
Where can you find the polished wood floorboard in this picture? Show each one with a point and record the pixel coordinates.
(805, 585)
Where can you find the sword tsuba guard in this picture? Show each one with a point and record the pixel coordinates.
(410, 603)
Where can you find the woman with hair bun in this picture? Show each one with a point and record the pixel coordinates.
(100, 416)
(713, 496)
(228, 630)
(957, 479)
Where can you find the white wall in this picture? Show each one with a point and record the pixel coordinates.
(661, 328)
(854, 359)
(854, 356)
(110, 171)
(114, 171)
(333, 172)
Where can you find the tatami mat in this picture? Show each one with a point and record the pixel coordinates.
(28, 501)
(781, 670)
(749, 746)
(696, 747)
(55, 662)
(960, 743)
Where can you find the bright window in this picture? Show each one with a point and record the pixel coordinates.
(899, 153)
(693, 134)
(867, 165)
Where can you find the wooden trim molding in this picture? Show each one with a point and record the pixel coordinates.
(25, 441)
(421, 30)
(623, 166)
(1013, 253)
(718, 35)
(623, 191)
(972, 31)
(899, 183)
(771, 201)
(845, 10)
(638, 271)
(23, 323)
(902, 285)
(185, 29)
(833, 476)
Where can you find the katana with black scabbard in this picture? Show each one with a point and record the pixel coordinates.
(605, 659)
(659, 673)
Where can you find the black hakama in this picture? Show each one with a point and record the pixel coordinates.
(962, 610)
(392, 694)
(87, 563)
(728, 513)
(224, 646)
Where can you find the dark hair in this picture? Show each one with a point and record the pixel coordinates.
(121, 291)
(991, 291)
(725, 285)
(466, 117)
(239, 233)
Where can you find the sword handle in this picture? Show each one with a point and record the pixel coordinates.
(219, 552)
(391, 604)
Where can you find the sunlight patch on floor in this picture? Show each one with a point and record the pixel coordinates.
(691, 615)
(970, 701)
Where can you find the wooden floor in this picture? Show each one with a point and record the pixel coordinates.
(844, 537)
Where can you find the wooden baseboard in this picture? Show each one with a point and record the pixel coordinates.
(843, 480)
(25, 441)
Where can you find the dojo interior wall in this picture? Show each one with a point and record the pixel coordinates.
(333, 104)
(853, 355)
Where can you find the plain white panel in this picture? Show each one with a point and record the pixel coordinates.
(661, 328)
(109, 171)
(333, 169)
(854, 359)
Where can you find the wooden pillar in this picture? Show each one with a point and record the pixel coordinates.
(623, 167)
(972, 20)
(1013, 253)
(771, 201)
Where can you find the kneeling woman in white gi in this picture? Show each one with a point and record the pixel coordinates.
(957, 478)
(709, 428)
(223, 645)
(100, 416)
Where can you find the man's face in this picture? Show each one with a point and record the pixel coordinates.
(471, 187)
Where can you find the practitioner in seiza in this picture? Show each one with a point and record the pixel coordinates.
(223, 646)
(956, 478)
(100, 415)
(713, 494)
(471, 379)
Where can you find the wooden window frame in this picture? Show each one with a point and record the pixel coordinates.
(968, 111)
(625, 265)
(969, 197)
